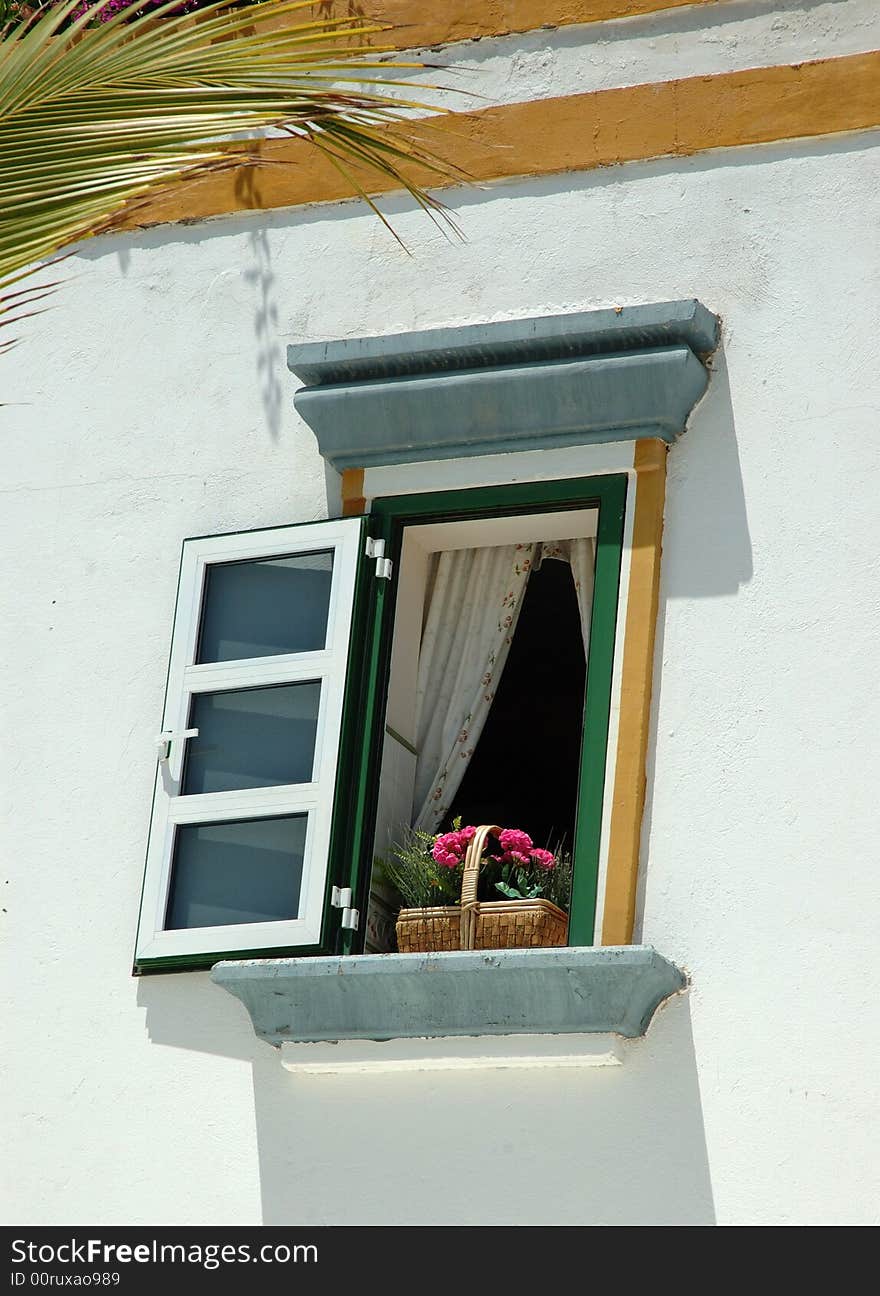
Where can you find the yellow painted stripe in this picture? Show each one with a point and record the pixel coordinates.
(458, 20)
(353, 502)
(574, 133)
(628, 800)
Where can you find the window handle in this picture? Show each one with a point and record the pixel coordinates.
(168, 736)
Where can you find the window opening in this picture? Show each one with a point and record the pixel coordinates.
(517, 726)
(524, 770)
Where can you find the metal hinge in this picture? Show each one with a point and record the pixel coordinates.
(340, 898)
(376, 549)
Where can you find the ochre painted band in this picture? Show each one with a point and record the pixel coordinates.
(353, 502)
(628, 799)
(460, 20)
(574, 133)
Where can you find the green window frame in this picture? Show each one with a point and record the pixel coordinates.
(363, 716)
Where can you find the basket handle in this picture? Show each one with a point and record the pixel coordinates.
(470, 905)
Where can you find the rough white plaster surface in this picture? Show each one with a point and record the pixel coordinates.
(693, 41)
(152, 402)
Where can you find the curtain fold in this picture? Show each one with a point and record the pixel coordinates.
(580, 554)
(474, 607)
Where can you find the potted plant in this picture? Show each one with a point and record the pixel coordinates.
(478, 888)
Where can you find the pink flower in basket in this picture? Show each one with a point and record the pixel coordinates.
(517, 847)
(447, 907)
(449, 848)
(514, 839)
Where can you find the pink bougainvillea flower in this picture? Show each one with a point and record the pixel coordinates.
(544, 859)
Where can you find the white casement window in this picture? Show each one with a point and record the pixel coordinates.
(247, 757)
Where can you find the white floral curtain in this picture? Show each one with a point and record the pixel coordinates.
(473, 607)
(472, 613)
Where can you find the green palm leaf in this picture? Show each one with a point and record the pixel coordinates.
(95, 117)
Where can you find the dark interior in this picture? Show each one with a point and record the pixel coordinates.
(524, 772)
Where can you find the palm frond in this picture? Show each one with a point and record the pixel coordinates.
(94, 118)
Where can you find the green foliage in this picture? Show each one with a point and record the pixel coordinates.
(517, 883)
(558, 881)
(417, 879)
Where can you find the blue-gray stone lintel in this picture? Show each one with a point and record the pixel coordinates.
(569, 990)
(551, 381)
(504, 342)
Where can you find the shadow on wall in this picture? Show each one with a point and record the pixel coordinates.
(707, 550)
(261, 277)
(612, 1145)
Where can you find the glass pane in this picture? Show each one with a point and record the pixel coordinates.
(258, 609)
(240, 872)
(252, 738)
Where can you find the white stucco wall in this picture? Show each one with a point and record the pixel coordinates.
(662, 46)
(153, 402)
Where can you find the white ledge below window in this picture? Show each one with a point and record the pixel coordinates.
(469, 1009)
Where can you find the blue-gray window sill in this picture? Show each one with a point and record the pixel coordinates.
(567, 1006)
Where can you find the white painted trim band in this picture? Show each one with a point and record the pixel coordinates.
(454, 1053)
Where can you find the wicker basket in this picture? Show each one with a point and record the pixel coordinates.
(480, 924)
